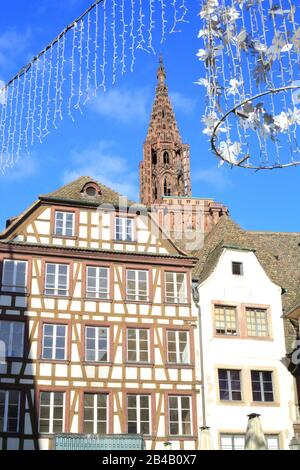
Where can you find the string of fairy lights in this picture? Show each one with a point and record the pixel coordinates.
(85, 58)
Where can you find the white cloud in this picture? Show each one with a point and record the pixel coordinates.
(182, 103)
(13, 45)
(26, 167)
(214, 176)
(123, 105)
(101, 163)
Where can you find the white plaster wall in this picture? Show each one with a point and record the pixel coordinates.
(254, 287)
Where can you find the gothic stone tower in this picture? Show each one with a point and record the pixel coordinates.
(165, 169)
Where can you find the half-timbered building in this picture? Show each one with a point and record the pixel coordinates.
(96, 318)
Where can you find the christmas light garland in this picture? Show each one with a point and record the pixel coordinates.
(89, 53)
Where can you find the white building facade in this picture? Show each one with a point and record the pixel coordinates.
(243, 346)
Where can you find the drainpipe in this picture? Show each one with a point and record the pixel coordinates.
(196, 299)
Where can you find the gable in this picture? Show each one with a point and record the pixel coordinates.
(93, 229)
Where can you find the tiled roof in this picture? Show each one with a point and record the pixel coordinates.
(225, 232)
(73, 192)
(278, 253)
(296, 305)
(85, 250)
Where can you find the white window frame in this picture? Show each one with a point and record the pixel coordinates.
(179, 409)
(232, 438)
(177, 342)
(176, 298)
(97, 329)
(95, 411)
(56, 287)
(255, 311)
(229, 382)
(64, 224)
(125, 232)
(272, 436)
(51, 415)
(9, 346)
(97, 292)
(54, 341)
(137, 344)
(137, 293)
(242, 436)
(6, 408)
(138, 411)
(262, 386)
(229, 330)
(14, 287)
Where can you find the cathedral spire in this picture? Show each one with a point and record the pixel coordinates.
(165, 169)
(163, 124)
(161, 73)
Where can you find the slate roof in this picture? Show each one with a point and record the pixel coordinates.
(278, 253)
(72, 192)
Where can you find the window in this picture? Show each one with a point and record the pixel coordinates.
(230, 385)
(54, 342)
(272, 442)
(138, 414)
(12, 334)
(96, 344)
(95, 413)
(57, 279)
(237, 442)
(9, 410)
(52, 406)
(225, 320)
(64, 224)
(237, 268)
(167, 188)
(178, 347)
(90, 191)
(137, 345)
(180, 419)
(166, 158)
(97, 283)
(14, 276)
(124, 229)
(232, 441)
(257, 322)
(154, 157)
(137, 285)
(262, 386)
(176, 292)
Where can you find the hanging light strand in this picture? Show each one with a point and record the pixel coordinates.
(62, 78)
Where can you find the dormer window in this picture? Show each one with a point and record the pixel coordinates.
(237, 268)
(91, 189)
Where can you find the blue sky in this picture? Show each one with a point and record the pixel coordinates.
(106, 142)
